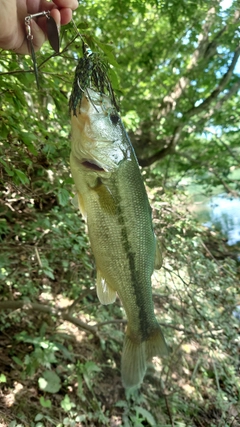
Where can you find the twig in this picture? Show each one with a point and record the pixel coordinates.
(168, 410)
(221, 267)
(38, 257)
(108, 322)
(85, 293)
(58, 54)
(124, 321)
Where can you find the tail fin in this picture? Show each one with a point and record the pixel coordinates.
(133, 362)
(135, 357)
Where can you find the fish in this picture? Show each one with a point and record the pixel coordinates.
(113, 200)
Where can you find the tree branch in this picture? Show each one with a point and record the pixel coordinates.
(169, 149)
(42, 308)
(228, 189)
(223, 82)
(204, 50)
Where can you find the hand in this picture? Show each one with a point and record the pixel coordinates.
(12, 23)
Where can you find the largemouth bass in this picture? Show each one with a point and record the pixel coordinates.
(113, 200)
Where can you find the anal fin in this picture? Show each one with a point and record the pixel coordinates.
(105, 293)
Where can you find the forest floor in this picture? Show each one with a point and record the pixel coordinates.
(54, 372)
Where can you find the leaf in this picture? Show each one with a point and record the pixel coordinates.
(49, 273)
(63, 196)
(66, 354)
(28, 139)
(146, 415)
(83, 25)
(121, 404)
(17, 360)
(39, 417)
(66, 404)
(46, 403)
(114, 79)
(91, 367)
(3, 378)
(50, 382)
(4, 131)
(7, 168)
(22, 177)
(107, 49)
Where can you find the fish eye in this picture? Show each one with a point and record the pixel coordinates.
(114, 118)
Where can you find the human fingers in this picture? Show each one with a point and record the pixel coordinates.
(61, 12)
(65, 7)
(66, 15)
(36, 6)
(68, 4)
(62, 16)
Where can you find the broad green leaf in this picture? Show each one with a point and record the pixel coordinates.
(45, 403)
(63, 196)
(146, 415)
(39, 417)
(49, 382)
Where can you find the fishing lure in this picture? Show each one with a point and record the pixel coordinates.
(91, 72)
(52, 33)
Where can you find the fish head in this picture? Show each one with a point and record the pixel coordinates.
(98, 135)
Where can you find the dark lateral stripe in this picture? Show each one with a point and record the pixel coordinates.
(135, 279)
(93, 166)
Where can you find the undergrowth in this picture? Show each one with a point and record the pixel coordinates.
(57, 372)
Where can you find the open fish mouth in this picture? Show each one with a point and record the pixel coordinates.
(90, 164)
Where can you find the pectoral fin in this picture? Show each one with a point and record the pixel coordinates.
(105, 293)
(78, 203)
(158, 256)
(106, 199)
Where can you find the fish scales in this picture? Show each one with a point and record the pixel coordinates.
(125, 236)
(113, 198)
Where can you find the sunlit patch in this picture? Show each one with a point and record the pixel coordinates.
(72, 330)
(10, 398)
(158, 364)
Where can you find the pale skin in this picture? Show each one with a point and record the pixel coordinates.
(12, 24)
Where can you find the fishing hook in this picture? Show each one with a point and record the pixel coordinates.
(89, 97)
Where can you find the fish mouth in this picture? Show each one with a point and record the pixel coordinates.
(90, 164)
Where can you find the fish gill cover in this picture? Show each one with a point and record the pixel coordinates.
(91, 72)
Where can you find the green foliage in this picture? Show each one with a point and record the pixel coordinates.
(133, 413)
(167, 61)
(49, 382)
